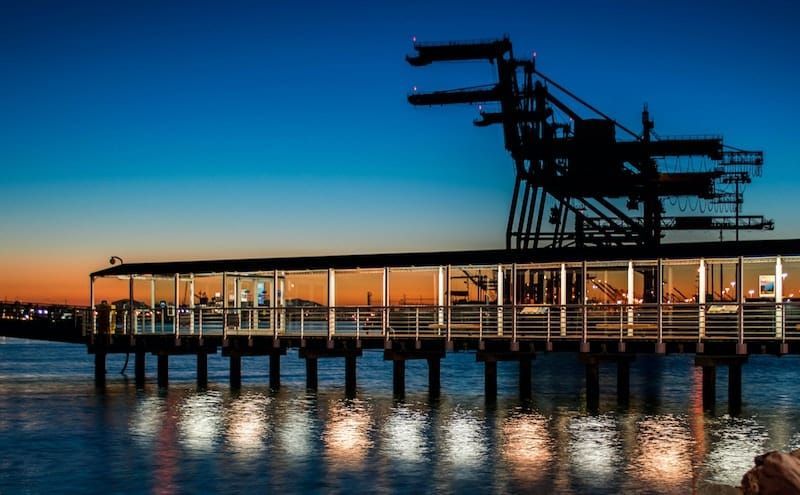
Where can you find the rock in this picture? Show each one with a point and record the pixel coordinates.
(705, 488)
(775, 473)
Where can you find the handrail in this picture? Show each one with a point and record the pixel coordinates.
(729, 321)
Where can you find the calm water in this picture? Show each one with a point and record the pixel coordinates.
(57, 433)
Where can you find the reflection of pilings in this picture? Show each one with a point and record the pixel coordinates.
(311, 373)
(709, 387)
(592, 385)
(735, 388)
(350, 375)
(139, 363)
(490, 380)
(163, 370)
(236, 371)
(275, 371)
(623, 382)
(525, 378)
(100, 368)
(202, 369)
(399, 378)
(434, 376)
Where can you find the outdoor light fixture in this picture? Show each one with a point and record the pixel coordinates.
(113, 260)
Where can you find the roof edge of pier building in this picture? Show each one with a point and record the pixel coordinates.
(775, 247)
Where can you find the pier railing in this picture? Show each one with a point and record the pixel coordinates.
(719, 321)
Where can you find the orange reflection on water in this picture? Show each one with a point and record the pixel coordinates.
(664, 450)
(346, 436)
(697, 423)
(527, 445)
(247, 424)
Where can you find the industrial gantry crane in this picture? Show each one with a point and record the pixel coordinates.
(577, 184)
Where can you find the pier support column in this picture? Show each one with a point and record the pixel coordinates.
(399, 351)
(350, 375)
(735, 388)
(623, 382)
(434, 376)
(490, 352)
(236, 371)
(525, 378)
(202, 369)
(399, 378)
(311, 373)
(163, 370)
(490, 381)
(275, 371)
(709, 365)
(99, 369)
(592, 385)
(139, 362)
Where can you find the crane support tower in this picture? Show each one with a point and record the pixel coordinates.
(577, 184)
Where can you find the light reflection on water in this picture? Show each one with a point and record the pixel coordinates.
(200, 421)
(663, 453)
(247, 430)
(347, 434)
(735, 442)
(404, 436)
(464, 441)
(54, 430)
(527, 445)
(294, 430)
(594, 448)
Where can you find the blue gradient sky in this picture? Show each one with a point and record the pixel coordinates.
(164, 130)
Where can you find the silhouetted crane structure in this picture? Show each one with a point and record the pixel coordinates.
(573, 174)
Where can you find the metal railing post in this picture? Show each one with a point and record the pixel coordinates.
(449, 301)
(92, 308)
(416, 322)
(273, 316)
(513, 289)
(224, 304)
(548, 324)
(659, 298)
(740, 294)
(480, 323)
(131, 314)
(177, 319)
(584, 303)
(701, 300)
(562, 301)
(779, 311)
(500, 305)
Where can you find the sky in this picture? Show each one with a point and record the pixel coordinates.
(191, 130)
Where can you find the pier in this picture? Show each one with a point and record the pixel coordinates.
(606, 305)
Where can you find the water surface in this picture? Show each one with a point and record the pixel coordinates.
(58, 433)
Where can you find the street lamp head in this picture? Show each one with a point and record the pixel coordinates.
(113, 260)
